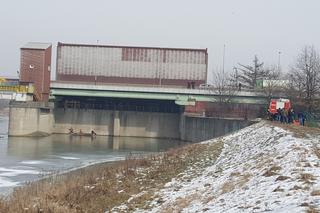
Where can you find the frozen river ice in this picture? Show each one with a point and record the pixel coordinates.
(27, 159)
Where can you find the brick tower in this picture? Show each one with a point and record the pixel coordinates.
(35, 67)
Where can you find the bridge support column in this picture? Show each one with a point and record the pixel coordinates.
(115, 143)
(116, 124)
(182, 126)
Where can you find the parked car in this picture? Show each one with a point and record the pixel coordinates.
(205, 86)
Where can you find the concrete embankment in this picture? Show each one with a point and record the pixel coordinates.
(144, 124)
(40, 119)
(4, 104)
(30, 119)
(118, 123)
(198, 129)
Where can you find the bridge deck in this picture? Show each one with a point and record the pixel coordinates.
(124, 88)
(180, 95)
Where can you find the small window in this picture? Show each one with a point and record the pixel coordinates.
(31, 66)
(49, 68)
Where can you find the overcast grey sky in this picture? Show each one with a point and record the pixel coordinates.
(246, 27)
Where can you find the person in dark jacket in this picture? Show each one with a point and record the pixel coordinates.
(279, 114)
(291, 115)
(301, 118)
(286, 115)
(282, 115)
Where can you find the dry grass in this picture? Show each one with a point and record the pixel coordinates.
(272, 171)
(307, 165)
(312, 209)
(235, 174)
(296, 188)
(101, 187)
(304, 204)
(307, 178)
(315, 193)
(278, 189)
(299, 131)
(281, 178)
(238, 182)
(180, 203)
(228, 187)
(317, 152)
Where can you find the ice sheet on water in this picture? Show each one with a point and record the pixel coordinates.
(68, 158)
(33, 162)
(5, 182)
(7, 172)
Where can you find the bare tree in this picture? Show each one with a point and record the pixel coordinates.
(305, 77)
(223, 85)
(250, 74)
(272, 84)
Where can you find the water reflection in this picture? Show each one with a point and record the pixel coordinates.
(42, 147)
(24, 158)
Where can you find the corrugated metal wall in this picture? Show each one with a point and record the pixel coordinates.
(111, 63)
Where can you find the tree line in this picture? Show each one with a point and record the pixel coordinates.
(301, 83)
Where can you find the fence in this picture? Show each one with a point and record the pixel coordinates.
(16, 88)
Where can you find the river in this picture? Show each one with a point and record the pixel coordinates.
(24, 159)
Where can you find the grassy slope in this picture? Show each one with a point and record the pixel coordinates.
(100, 188)
(261, 168)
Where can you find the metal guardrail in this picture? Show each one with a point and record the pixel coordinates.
(312, 119)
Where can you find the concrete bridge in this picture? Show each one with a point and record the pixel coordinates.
(131, 111)
(139, 110)
(179, 95)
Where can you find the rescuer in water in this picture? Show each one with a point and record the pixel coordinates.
(71, 130)
(93, 133)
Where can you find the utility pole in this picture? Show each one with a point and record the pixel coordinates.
(279, 60)
(223, 58)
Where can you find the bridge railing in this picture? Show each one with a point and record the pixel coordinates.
(17, 88)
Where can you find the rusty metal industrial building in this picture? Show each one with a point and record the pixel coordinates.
(131, 65)
(35, 67)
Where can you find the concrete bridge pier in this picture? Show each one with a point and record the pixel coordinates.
(116, 124)
(182, 127)
(30, 119)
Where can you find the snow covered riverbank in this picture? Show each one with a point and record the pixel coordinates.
(264, 167)
(261, 168)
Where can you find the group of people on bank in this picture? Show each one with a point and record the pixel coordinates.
(288, 116)
(81, 133)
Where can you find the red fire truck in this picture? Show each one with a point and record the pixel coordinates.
(278, 103)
